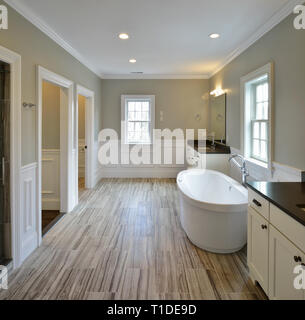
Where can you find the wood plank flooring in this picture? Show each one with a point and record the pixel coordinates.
(124, 241)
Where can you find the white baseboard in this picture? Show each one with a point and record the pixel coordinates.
(138, 172)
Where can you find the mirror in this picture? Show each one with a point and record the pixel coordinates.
(218, 117)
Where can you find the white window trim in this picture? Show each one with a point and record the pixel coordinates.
(123, 115)
(269, 70)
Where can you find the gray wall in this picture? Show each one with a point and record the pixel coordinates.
(180, 101)
(286, 47)
(35, 49)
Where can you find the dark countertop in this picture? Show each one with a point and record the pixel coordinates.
(284, 195)
(219, 148)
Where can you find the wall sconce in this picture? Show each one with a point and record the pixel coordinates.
(217, 92)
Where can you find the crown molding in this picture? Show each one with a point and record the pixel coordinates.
(154, 76)
(46, 29)
(279, 16)
(285, 11)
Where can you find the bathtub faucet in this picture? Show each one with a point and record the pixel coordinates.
(243, 168)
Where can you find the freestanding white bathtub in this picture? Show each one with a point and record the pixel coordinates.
(213, 210)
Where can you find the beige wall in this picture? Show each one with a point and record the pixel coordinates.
(35, 49)
(180, 101)
(286, 47)
(81, 117)
(50, 116)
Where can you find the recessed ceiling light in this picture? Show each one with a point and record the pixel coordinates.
(132, 60)
(214, 35)
(123, 36)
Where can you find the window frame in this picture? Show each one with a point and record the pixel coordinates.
(124, 117)
(248, 100)
(254, 119)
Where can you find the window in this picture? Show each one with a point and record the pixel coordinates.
(138, 116)
(256, 92)
(260, 121)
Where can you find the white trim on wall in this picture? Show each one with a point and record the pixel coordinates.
(29, 236)
(66, 140)
(279, 172)
(156, 76)
(124, 115)
(46, 29)
(279, 16)
(50, 179)
(14, 60)
(143, 170)
(81, 158)
(245, 102)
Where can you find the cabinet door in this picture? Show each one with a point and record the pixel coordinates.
(258, 248)
(284, 257)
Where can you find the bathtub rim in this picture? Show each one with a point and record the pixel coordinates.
(211, 206)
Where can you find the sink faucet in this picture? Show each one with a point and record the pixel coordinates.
(212, 135)
(244, 170)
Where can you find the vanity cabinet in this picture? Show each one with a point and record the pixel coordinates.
(218, 162)
(258, 248)
(284, 257)
(276, 245)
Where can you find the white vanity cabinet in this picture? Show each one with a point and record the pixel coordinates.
(284, 257)
(218, 162)
(258, 248)
(276, 245)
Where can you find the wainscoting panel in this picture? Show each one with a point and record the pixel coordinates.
(279, 172)
(162, 170)
(81, 158)
(50, 179)
(28, 228)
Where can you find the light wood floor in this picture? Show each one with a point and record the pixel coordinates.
(124, 241)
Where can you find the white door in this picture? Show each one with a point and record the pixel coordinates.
(258, 248)
(284, 257)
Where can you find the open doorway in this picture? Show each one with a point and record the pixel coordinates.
(84, 139)
(51, 148)
(63, 155)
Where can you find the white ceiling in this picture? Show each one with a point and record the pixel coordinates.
(169, 38)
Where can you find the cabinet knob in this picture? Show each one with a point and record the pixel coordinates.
(264, 227)
(297, 259)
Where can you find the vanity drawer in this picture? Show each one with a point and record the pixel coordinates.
(289, 227)
(258, 203)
